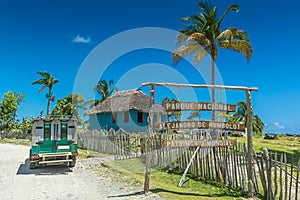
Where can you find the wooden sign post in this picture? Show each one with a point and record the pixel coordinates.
(148, 143)
(250, 168)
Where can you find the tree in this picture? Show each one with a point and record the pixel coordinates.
(26, 124)
(105, 89)
(241, 116)
(8, 109)
(204, 35)
(194, 114)
(47, 81)
(70, 106)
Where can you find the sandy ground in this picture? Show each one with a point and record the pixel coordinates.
(60, 182)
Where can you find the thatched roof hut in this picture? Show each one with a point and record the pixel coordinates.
(121, 102)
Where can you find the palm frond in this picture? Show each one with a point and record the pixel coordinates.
(200, 55)
(240, 46)
(42, 88)
(185, 50)
(181, 38)
(233, 7)
(44, 74)
(40, 81)
(199, 38)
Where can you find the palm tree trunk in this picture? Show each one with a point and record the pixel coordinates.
(213, 89)
(48, 106)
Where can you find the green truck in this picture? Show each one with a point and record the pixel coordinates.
(54, 142)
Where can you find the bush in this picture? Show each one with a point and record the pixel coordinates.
(15, 133)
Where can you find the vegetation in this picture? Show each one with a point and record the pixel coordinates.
(105, 89)
(8, 110)
(241, 116)
(204, 35)
(165, 184)
(70, 106)
(284, 144)
(194, 114)
(47, 81)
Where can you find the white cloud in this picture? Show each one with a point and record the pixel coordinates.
(278, 125)
(81, 39)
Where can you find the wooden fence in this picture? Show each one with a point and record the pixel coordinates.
(274, 178)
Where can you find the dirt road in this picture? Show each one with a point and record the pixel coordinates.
(58, 182)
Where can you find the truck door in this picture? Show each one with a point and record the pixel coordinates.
(46, 139)
(63, 145)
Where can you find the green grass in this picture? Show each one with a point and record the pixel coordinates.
(165, 184)
(284, 144)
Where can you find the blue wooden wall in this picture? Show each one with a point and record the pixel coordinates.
(104, 121)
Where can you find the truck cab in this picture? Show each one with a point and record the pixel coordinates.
(54, 141)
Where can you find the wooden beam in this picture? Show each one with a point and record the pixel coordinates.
(250, 167)
(202, 86)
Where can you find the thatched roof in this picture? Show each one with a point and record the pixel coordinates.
(122, 101)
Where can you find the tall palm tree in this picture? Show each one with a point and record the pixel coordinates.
(105, 89)
(47, 81)
(204, 35)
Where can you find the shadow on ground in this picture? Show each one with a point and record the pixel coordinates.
(47, 170)
(159, 190)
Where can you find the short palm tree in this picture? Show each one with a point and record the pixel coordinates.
(194, 114)
(105, 89)
(241, 116)
(204, 35)
(47, 81)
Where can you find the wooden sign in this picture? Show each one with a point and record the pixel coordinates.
(199, 125)
(177, 106)
(198, 143)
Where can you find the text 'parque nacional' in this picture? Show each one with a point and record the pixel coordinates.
(175, 106)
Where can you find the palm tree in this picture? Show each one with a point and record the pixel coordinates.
(194, 114)
(104, 89)
(204, 35)
(47, 81)
(241, 116)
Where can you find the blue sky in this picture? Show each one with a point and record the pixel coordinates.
(57, 36)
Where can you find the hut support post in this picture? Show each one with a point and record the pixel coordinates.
(250, 167)
(148, 144)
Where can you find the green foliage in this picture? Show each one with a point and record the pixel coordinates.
(8, 109)
(204, 34)
(26, 124)
(194, 114)
(105, 89)
(69, 106)
(47, 81)
(241, 116)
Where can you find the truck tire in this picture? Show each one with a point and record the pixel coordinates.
(31, 165)
(72, 163)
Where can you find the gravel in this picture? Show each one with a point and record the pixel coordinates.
(87, 180)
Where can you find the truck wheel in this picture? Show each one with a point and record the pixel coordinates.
(32, 165)
(72, 164)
